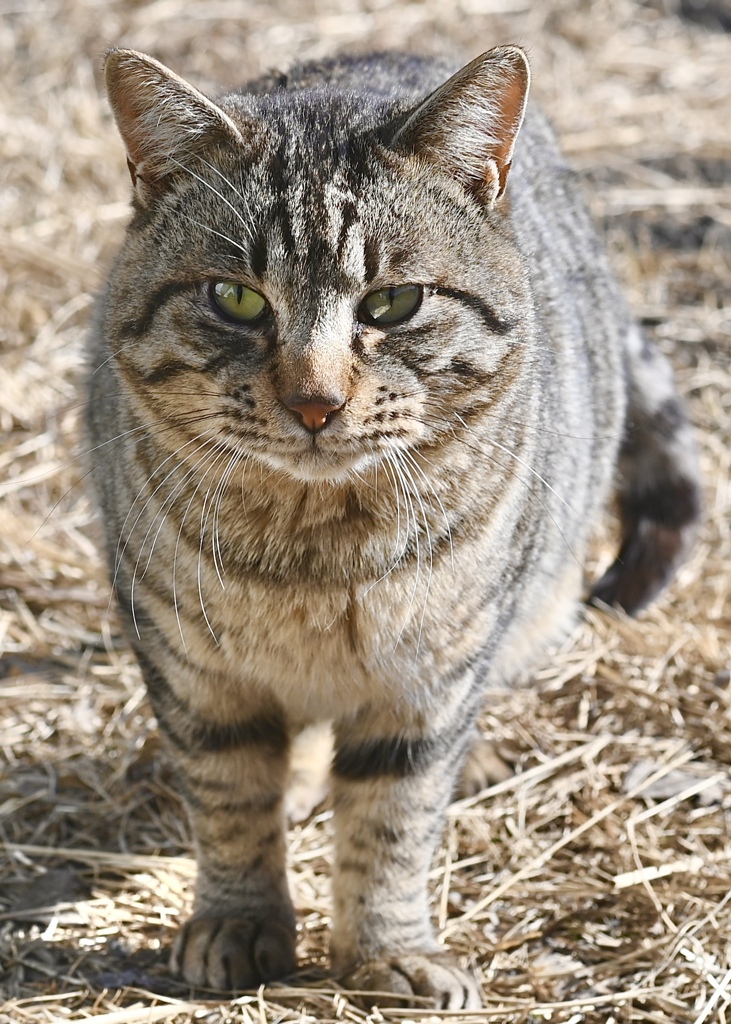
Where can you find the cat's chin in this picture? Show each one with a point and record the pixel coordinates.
(313, 467)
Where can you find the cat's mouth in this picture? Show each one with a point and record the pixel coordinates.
(314, 465)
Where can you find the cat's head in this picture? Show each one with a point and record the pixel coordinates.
(317, 277)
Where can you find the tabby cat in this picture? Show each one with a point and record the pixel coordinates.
(365, 390)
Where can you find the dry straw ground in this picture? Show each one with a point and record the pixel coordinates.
(591, 886)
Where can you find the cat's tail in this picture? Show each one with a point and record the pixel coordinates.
(658, 486)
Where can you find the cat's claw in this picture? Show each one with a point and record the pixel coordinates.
(233, 953)
(414, 980)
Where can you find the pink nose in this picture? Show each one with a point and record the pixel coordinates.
(315, 413)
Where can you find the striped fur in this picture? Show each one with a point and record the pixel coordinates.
(429, 539)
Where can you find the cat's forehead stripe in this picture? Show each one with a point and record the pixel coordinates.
(344, 230)
(321, 226)
(336, 200)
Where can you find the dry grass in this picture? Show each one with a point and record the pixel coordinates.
(594, 884)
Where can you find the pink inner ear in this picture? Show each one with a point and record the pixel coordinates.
(513, 101)
(132, 171)
(509, 96)
(131, 95)
(158, 114)
(469, 125)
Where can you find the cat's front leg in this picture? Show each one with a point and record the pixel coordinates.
(231, 766)
(242, 931)
(390, 794)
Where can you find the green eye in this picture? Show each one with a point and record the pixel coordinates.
(238, 301)
(391, 305)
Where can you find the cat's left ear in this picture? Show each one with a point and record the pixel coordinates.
(469, 125)
(162, 119)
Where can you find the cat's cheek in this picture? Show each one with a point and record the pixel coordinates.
(367, 341)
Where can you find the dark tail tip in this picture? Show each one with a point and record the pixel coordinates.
(657, 529)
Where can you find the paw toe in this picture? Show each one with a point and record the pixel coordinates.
(416, 980)
(228, 953)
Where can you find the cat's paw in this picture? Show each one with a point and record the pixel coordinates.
(227, 953)
(414, 979)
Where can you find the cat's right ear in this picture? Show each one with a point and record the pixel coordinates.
(468, 127)
(162, 119)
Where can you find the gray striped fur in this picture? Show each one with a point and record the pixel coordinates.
(429, 540)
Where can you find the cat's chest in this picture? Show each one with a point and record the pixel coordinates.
(322, 646)
(318, 650)
(328, 600)
(325, 652)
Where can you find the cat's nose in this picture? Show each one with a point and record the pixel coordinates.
(314, 413)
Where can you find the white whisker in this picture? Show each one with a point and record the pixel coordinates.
(218, 234)
(388, 469)
(121, 548)
(538, 476)
(214, 509)
(207, 184)
(161, 514)
(521, 462)
(410, 518)
(423, 476)
(205, 512)
(219, 444)
(427, 533)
